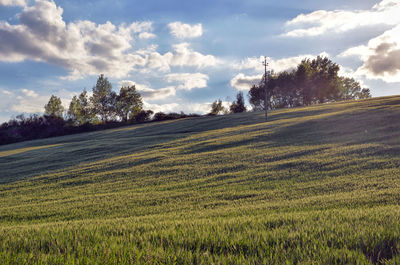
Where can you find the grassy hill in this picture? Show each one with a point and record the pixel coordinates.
(315, 185)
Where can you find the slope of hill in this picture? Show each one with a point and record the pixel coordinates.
(315, 185)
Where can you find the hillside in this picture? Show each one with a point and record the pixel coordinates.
(314, 185)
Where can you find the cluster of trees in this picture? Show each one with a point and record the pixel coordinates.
(104, 109)
(236, 106)
(312, 82)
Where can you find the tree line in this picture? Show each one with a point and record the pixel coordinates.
(311, 82)
(104, 109)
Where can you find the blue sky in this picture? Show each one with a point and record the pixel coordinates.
(182, 55)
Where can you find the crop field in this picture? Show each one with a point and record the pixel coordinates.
(314, 185)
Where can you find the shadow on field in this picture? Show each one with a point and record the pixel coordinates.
(374, 121)
(375, 126)
(95, 146)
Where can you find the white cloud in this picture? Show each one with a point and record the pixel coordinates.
(188, 81)
(327, 22)
(245, 82)
(13, 2)
(277, 65)
(170, 107)
(182, 31)
(82, 47)
(181, 56)
(149, 93)
(29, 93)
(29, 104)
(147, 35)
(86, 48)
(380, 57)
(187, 107)
(28, 101)
(6, 92)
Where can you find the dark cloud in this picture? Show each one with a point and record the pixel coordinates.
(385, 60)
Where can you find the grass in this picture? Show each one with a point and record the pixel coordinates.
(315, 185)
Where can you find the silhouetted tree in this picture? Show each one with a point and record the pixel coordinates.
(216, 107)
(365, 93)
(142, 116)
(238, 105)
(54, 107)
(313, 81)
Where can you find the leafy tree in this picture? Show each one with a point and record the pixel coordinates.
(364, 93)
(238, 105)
(351, 89)
(129, 103)
(257, 94)
(216, 107)
(313, 81)
(54, 107)
(142, 116)
(325, 79)
(80, 110)
(103, 99)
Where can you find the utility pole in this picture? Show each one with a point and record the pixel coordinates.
(265, 87)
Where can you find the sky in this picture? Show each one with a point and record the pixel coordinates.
(183, 55)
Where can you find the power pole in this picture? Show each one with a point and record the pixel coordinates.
(265, 87)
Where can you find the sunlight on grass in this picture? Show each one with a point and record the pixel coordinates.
(317, 185)
(27, 149)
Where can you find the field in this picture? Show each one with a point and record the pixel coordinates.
(314, 185)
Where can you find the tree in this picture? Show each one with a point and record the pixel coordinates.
(54, 107)
(103, 99)
(265, 89)
(80, 110)
(238, 105)
(313, 81)
(142, 116)
(365, 93)
(325, 79)
(351, 89)
(129, 103)
(216, 107)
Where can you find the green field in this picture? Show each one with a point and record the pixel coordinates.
(314, 185)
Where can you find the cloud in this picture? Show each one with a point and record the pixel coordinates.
(82, 47)
(29, 93)
(188, 81)
(13, 2)
(30, 105)
(181, 56)
(170, 107)
(29, 101)
(278, 65)
(187, 107)
(149, 93)
(6, 92)
(182, 31)
(245, 82)
(85, 48)
(338, 21)
(380, 57)
(147, 35)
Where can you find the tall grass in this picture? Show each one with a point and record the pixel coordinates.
(316, 185)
